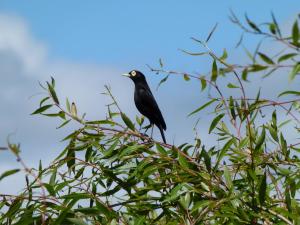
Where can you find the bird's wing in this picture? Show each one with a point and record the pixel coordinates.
(146, 104)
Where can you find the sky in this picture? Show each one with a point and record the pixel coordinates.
(85, 45)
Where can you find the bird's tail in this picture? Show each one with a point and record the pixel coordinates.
(162, 134)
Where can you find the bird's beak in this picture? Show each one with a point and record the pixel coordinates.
(126, 74)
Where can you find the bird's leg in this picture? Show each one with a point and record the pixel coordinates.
(147, 129)
(152, 126)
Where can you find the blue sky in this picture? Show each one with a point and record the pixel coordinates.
(86, 44)
(132, 33)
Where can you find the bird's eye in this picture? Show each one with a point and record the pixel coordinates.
(133, 73)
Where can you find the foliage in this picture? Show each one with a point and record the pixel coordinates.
(111, 173)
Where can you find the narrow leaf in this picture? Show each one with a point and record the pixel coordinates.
(263, 189)
(52, 93)
(260, 140)
(228, 178)
(211, 33)
(294, 72)
(286, 57)
(215, 122)
(203, 106)
(127, 121)
(252, 25)
(295, 33)
(230, 85)
(265, 58)
(162, 81)
(289, 93)
(214, 71)
(8, 173)
(203, 83)
(42, 109)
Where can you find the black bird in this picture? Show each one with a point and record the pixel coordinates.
(145, 102)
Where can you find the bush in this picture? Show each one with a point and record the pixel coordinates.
(125, 177)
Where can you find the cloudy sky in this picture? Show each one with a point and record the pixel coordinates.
(87, 45)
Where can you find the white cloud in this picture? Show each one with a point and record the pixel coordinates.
(23, 62)
(16, 38)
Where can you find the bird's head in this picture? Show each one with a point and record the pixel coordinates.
(135, 75)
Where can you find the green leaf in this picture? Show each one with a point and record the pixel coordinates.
(276, 24)
(228, 179)
(161, 63)
(265, 58)
(185, 200)
(186, 77)
(272, 28)
(286, 57)
(101, 122)
(203, 83)
(109, 151)
(261, 139)
(52, 82)
(231, 107)
(127, 121)
(50, 189)
(289, 93)
(212, 31)
(14, 207)
(263, 189)
(63, 124)
(175, 193)
(8, 173)
(79, 173)
(90, 210)
(43, 100)
(257, 67)
(76, 221)
(283, 145)
(295, 33)
(64, 212)
(52, 93)
(160, 149)
(129, 150)
(215, 122)
(245, 74)
(182, 161)
(274, 119)
(214, 71)
(76, 196)
(203, 106)
(223, 152)
(252, 25)
(41, 109)
(224, 56)
(288, 200)
(200, 205)
(40, 166)
(194, 53)
(71, 157)
(230, 85)
(207, 159)
(294, 72)
(162, 81)
(273, 133)
(53, 177)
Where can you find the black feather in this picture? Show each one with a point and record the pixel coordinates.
(145, 102)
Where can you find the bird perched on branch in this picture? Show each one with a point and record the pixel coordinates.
(145, 102)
